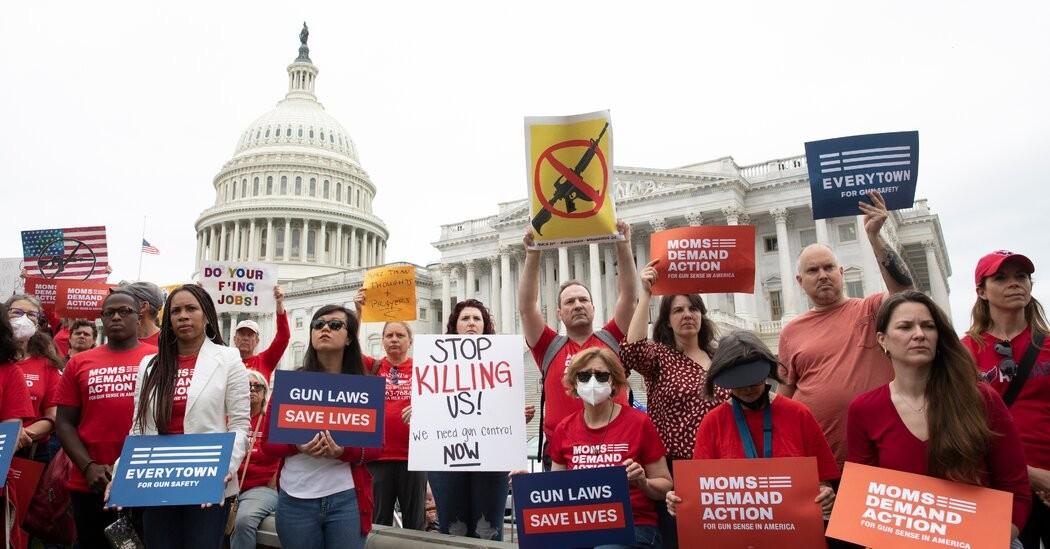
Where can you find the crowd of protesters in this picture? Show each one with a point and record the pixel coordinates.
(882, 380)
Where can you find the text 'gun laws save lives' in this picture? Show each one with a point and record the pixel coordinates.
(468, 401)
(579, 508)
(306, 403)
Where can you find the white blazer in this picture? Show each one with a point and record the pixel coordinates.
(217, 401)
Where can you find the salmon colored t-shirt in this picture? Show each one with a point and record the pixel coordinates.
(832, 356)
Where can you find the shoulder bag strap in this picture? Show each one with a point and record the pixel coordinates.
(1024, 369)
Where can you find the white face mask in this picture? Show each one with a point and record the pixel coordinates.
(593, 392)
(23, 327)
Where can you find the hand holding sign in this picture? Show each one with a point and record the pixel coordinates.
(875, 214)
(648, 276)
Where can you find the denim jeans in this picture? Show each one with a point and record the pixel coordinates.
(253, 507)
(330, 522)
(645, 537)
(470, 504)
(181, 526)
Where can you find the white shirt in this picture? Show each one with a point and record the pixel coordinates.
(308, 477)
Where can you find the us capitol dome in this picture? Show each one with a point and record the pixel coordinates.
(294, 193)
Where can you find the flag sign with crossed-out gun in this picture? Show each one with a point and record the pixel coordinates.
(569, 163)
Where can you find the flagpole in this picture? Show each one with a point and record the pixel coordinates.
(139, 277)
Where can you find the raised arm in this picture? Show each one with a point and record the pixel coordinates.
(894, 271)
(626, 273)
(639, 329)
(532, 322)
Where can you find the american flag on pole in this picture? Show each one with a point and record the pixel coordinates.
(76, 253)
(148, 248)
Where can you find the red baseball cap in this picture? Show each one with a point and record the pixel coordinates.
(989, 264)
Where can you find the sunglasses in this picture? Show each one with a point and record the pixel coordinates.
(256, 388)
(585, 376)
(335, 324)
(1007, 366)
(122, 311)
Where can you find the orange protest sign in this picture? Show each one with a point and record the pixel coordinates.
(390, 294)
(709, 259)
(884, 508)
(749, 503)
(80, 298)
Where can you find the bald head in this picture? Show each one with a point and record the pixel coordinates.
(820, 275)
(809, 251)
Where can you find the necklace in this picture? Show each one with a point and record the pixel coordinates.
(901, 399)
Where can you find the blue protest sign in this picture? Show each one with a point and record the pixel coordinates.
(350, 407)
(843, 170)
(8, 445)
(580, 508)
(159, 470)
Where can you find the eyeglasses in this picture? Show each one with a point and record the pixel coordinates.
(256, 387)
(335, 324)
(122, 311)
(15, 312)
(1007, 366)
(585, 376)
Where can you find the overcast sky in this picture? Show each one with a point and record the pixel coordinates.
(114, 111)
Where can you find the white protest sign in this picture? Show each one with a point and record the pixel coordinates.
(468, 403)
(241, 287)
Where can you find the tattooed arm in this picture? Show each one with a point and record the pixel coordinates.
(894, 272)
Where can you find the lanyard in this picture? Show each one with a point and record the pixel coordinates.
(745, 433)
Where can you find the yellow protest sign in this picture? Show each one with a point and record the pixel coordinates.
(569, 167)
(390, 294)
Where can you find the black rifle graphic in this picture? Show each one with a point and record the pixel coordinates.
(566, 190)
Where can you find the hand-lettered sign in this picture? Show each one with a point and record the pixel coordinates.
(749, 503)
(709, 259)
(569, 164)
(390, 294)
(580, 508)
(161, 470)
(349, 406)
(240, 287)
(843, 170)
(80, 299)
(77, 252)
(8, 444)
(468, 403)
(885, 508)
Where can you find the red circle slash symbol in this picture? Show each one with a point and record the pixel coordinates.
(589, 193)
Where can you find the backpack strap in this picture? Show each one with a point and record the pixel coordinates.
(548, 357)
(1024, 368)
(608, 339)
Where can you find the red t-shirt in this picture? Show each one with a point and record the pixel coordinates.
(14, 395)
(795, 434)
(182, 393)
(1031, 409)
(630, 435)
(101, 382)
(261, 466)
(266, 362)
(61, 340)
(558, 404)
(152, 340)
(398, 397)
(42, 380)
(877, 436)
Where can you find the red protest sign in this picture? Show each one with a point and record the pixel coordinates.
(24, 475)
(80, 299)
(46, 290)
(749, 503)
(709, 259)
(885, 508)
